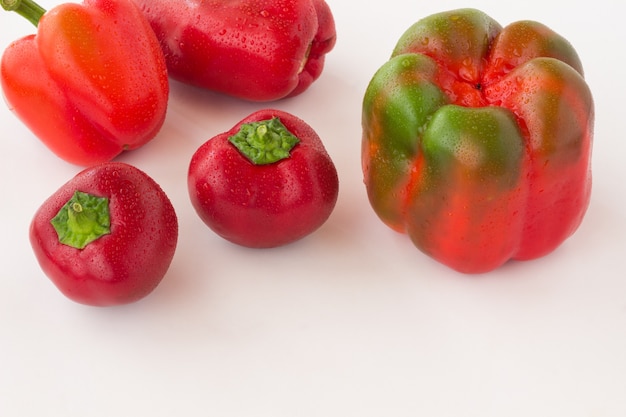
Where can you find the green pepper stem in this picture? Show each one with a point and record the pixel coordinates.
(265, 141)
(28, 9)
(83, 219)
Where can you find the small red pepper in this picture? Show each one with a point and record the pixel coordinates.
(91, 83)
(107, 236)
(266, 182)
(260, 50)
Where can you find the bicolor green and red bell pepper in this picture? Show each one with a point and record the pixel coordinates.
(477, 139)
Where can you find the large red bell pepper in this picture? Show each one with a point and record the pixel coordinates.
(91, 83)
(477, 140)
(259, 50)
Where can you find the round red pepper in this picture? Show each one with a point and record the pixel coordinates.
(256, 50)
(477, 140)
(266, 182)
(107, 236)
(91, 83)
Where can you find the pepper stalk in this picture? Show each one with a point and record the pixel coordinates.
(265, 141)
(28, 9)
(83, 219)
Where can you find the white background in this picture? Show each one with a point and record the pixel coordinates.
(352, 320)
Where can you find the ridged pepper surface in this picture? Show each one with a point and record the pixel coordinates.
(477, 140)
(91, 83)
(259, 50)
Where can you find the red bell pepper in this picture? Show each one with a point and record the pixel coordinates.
(256, 50)
(477, 140)
(91, 83)
(107, 236)
(266, 182)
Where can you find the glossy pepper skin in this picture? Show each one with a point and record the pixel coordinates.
(477, 140)
(258, 50)
(282, 193)
(113, 243)
(91, 83)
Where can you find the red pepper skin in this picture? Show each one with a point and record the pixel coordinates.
(263, 206)
(91, 83)
(117, 268)
(477, 140)
(255, 50)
